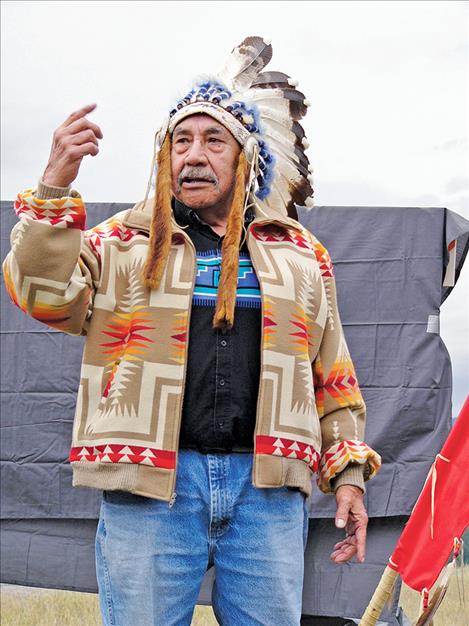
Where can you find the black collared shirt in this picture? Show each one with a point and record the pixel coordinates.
(222, 377)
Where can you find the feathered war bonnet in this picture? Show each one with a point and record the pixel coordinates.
(262, 111)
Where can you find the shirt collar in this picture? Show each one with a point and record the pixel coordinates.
(185, 216)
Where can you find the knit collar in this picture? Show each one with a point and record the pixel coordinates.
(139, 217)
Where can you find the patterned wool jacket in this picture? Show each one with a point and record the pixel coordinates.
(310, 411)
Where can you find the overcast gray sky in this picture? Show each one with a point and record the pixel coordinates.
(388, 83)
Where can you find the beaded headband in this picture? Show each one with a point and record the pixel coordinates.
(242, 121)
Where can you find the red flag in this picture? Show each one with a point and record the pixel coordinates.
(440, 514)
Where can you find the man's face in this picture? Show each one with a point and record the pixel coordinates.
(204, 157)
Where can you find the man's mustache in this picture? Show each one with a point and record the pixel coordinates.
(196, 173)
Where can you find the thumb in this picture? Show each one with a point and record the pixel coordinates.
(341, 516)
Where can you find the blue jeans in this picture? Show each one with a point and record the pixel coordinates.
(151, 557)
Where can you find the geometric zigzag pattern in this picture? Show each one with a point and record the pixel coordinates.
(324, 260)
(301, 240)
(302, 332)
(130, 344)
(342, 384)
(118, 453)
(289, 448)
(337, 457)
(66, 212)
(179, 334)
(268, 324)
(208, 277)
(111, 229)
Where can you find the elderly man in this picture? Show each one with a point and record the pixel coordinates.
(216, 378)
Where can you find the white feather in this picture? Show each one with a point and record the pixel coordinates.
(241, 68)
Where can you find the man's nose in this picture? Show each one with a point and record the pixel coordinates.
(196, 154)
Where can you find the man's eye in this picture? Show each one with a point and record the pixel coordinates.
(214, 140)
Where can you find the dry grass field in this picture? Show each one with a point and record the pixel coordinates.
(454, 610)
(25, 606)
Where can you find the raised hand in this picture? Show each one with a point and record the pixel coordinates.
(72, 140)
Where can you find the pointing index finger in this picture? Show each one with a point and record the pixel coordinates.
(76, 115)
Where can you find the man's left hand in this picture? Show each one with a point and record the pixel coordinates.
(351, 515)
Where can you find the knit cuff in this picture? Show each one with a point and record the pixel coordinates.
(351, 475)
(45, 192)
(336, 458)
(66, 212)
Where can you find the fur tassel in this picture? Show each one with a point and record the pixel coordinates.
(160, 228)
(226, 296)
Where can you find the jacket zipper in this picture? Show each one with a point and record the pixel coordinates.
(172, 500)
(260, 392)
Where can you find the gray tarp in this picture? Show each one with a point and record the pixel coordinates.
(390, 266)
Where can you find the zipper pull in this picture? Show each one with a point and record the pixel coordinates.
(172, 500)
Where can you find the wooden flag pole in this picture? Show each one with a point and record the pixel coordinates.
(383, 593)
